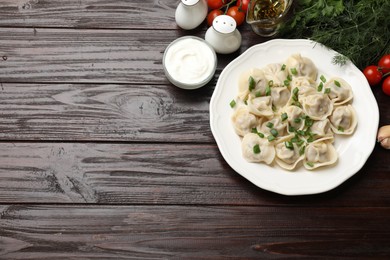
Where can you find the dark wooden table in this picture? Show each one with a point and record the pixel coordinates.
(101, 157)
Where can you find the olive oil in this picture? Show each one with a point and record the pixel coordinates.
(268, 9)
(265, 16)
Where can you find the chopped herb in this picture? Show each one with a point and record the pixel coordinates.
(283, 67)
(322, 78)
(295, 139)
(300, 143)
(252, 83)
(274, 132)
(271, 138)
(256, 149)
(302, 150)
(261, 135)
(310, 139)
(310, 164)
(270, 125)
(284, 116)
(246, 102)
(295, 91)
(294, 71)
(289, 145)
(327, 91)
(289, 78)
(297, 120)
(301, 132)
(341, 129)
(309, 122)
(254, 130)
(337, 83)
(291, 129)
(268, 91)
(233, 103)
(286, 82)
(320, 86)
(270, 83)
(258, 94)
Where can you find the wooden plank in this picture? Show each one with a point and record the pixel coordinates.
(133, 14)
(166, 232)
(158, 174)
(103, 56)
(104, 112)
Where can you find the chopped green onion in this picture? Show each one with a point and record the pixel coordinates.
(289, 145)
(283, 67)
(252, 83)
(327, 91)
(258, 94)
(254, 130)
(320, 86)
(256, 149)
(261, 135)
(310, 139)
(297, 120)
(246, 102)
(268, 91)
(341, 129)
(289, 78)
(295, 91)
(294, 71)
(270, 83)
(284, 116)
(291, 129)
(301, 132)
(323, 79)
(274, 132)
(286, 82)
(233, 103)
(270, 125)
(309, 122)
(300, 143)
(271, 138)
(302, 150)
(337, 83)
(310, 164)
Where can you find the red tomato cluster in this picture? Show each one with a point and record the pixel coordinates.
(234, 8)
(374, 74)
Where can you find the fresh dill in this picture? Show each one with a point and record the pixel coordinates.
(357, 29)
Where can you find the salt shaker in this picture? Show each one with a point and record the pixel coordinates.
(223, 35)
(191, 13)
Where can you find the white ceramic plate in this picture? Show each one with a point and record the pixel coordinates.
(353, 151)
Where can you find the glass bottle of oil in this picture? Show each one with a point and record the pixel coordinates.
(265, 16)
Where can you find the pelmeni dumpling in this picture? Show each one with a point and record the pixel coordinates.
(243, 83)
(319, 153)
(343, 120)
(301, 66)
(340, 91)
(243, 121)
(274, 124)
(274, 72)
(321, 129)
(288, 155)
(280, 96)
(317, 106)
(257, 149)
(261, 106)
(305, 85)
(294, 117)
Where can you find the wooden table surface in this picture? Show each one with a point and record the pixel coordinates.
(101, 157)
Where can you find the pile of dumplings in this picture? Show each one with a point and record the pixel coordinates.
(289, 115)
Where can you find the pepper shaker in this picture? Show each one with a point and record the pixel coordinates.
(191, 13)
(223, 35)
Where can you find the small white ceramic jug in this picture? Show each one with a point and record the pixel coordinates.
(223, 35)
(191, 13)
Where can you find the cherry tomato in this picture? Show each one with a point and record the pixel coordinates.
(373, 75)
(386, 86)
(237, 14)
(244, 4)
(215, 4)
(211, 16)
(384, 63)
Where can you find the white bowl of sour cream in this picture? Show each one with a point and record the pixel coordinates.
(189, 62)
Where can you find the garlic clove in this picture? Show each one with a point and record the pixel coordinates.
(384, 136)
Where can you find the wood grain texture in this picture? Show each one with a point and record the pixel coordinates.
(91, 56)
(185, 174)
(105, 112)
(171, 232)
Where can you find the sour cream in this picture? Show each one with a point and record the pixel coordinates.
(189, 62)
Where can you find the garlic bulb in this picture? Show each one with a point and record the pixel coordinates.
(384, 136)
